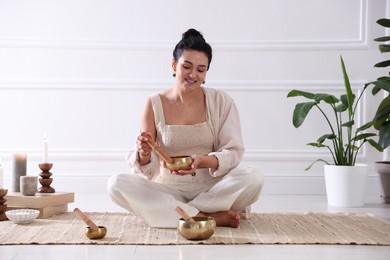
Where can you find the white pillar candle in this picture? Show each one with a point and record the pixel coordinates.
(45, 149)
(1, 175)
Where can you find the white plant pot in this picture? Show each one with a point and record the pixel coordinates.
(345, 185)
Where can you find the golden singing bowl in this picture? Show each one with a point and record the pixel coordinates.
(96, 234)
(202, 228)
(180, 163)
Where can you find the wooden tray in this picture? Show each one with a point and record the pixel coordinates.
(48, 204)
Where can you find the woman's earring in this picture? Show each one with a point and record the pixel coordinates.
(174, 74)
(204, 82)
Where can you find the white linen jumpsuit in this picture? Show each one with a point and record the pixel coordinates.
(154, 195)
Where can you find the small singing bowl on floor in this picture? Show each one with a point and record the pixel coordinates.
(200, 229)
(96, 234)
(179, 163)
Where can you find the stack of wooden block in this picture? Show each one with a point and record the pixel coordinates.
(48, 204)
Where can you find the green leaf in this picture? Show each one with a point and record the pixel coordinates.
(324, 137)
(384, 48)
(375, 90)
(318, 145)
(348, 124)
(330, 99)
(344, 99)
(382, 39)
(382, 64)
(375, 145)
(352, 147)
(385, 113)
(341, 108)
(383, 110)
(299, 93)
(382, 113)
(385, 78)
(384, 22)
(347, 85)
(318, 160)
(365, 126)
(383, 83)
(363, 136)
(384, 136)
(301, 111)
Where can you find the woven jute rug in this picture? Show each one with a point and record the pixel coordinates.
(262, 228)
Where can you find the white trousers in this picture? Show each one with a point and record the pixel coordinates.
(156, 202)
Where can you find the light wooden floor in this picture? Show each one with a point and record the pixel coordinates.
(267, 203)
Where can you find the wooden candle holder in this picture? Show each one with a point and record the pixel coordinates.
(3, 206)
(46, 179)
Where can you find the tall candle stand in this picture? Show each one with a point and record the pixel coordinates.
(45, 181)
(3, 206)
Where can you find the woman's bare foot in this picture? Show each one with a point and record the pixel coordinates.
(223, 218)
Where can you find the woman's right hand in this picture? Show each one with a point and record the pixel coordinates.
(143, 148)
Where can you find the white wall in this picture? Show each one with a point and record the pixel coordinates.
(80, 72)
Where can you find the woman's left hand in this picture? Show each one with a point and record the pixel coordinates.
(192, 170)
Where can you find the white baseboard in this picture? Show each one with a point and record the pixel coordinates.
(274, 185)
(314, 185)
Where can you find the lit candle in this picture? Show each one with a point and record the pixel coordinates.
(45, 149)
(1, 175)
(20, 168)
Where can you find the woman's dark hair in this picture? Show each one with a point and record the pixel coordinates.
(192, 40)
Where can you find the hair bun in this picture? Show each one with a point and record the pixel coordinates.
(192, 33)
(193, 40)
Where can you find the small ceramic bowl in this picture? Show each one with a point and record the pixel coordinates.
(200, 229)
(180, 163)
(22, 216)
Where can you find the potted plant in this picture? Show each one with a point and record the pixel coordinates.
(345, 180)
(382, 116)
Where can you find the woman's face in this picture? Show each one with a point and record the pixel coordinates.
(191, 68)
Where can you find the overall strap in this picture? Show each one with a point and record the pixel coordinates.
(158, 110)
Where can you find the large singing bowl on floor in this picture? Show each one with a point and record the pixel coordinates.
(200, 229)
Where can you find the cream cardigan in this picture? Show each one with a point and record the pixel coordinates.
(224, 120)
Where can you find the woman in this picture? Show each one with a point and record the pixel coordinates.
(189, 119)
